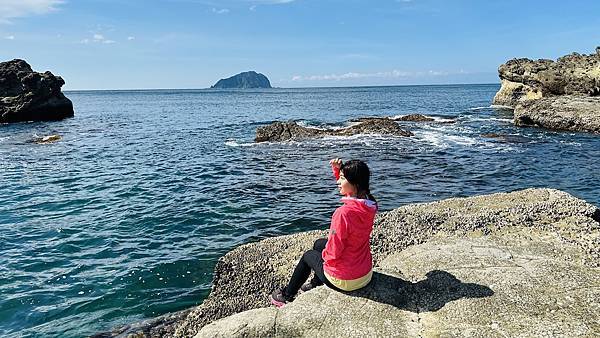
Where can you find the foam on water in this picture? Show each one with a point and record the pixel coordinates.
(235, 144)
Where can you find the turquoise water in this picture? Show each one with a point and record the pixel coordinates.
(125, 217)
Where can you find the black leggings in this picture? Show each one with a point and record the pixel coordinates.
(311, 260)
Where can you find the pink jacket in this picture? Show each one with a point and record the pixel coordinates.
(347, 254)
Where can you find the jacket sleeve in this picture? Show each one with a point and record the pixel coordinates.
(336, 172)
(337, 236)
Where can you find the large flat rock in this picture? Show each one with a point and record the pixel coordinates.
(572, 113)
(245, 277)
(519, 282)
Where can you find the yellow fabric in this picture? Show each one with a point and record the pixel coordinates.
(352, 284)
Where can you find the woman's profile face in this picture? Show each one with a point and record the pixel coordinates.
(346, 188)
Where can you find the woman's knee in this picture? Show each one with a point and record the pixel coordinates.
(319, 244)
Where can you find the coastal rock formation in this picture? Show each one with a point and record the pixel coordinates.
(516, 264)
(567, 112)
(244, 80)
(525, 79)
(26, 95)
(560, 95)
(284, 131)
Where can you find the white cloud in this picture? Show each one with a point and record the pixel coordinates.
(220, 11)
(130, 38)
(351, 75)
(10, 37)
(389, 74)
(97, 38)
(10, 9)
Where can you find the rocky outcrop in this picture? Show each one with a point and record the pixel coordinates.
(26, 95)
(560, 95)
(512, 284)
(244, 80)
(284, 131)
(567, 112)
(514, 264)
(525, 79)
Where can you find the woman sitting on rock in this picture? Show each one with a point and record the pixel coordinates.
(343, 260)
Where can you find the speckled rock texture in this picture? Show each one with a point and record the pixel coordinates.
(26, 95)
(516, 282)
(500, 264)
(558, 95)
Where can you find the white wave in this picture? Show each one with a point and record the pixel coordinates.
(501, 107)
(443, 140)
(323, 128)
(2, 139)
(480, 108)
(442, 119)
(571, 143)
(482, 119)
(234, 143)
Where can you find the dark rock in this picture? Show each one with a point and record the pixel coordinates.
(414, 118)
(506, 138)
(244, 80)
(283, 131)
(26, 95)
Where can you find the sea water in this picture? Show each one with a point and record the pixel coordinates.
(123, 219)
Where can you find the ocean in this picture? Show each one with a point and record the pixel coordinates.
(125, 217)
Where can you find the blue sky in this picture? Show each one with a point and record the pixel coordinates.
(138, 44)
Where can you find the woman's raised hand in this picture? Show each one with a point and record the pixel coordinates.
(336, 163)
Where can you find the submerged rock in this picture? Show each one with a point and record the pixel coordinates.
(47, 139)
(521, 263)
(284, 131)
(506, 138)
(244, 80)
(26, 95)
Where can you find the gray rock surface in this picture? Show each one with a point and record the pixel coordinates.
(517, 282)
(26, 95)
(284, 131)
(470, 274)
(244, 80)
(566, 112)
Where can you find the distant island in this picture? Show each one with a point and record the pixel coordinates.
(244, 80)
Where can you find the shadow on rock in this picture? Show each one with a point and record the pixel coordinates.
(430, 294)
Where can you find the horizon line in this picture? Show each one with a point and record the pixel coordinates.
(315, 87)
